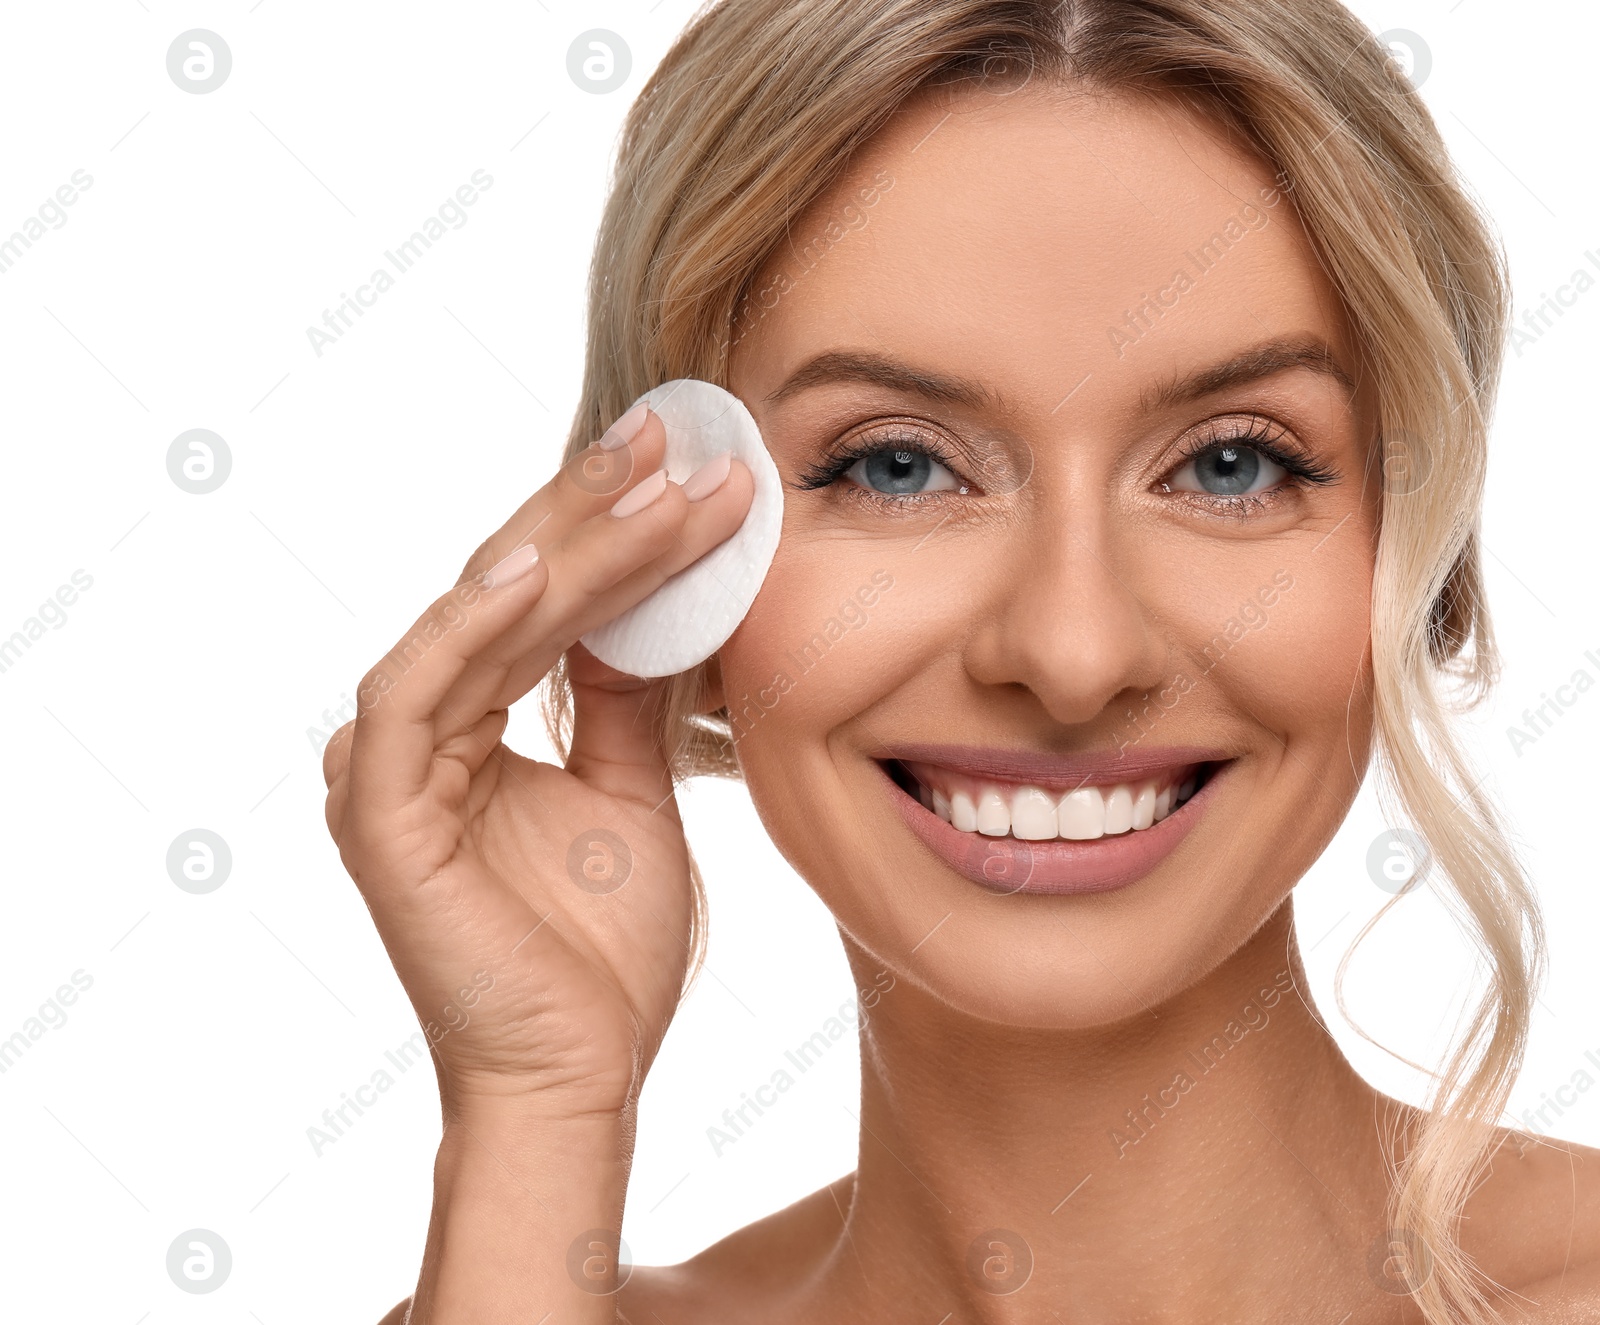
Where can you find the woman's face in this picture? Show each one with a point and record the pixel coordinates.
(1078, 523)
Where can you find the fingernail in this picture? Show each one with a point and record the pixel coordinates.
(625, 429)
(630, 503)
(709, 477)
(512, 566)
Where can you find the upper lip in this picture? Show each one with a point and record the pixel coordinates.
(1095, 768)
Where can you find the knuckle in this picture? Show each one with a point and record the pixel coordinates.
(480, 561)
(336, 754)
(373, 686)
(333, 808)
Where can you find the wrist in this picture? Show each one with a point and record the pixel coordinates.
(527, 1202)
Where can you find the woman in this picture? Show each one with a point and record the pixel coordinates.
(1130, 363)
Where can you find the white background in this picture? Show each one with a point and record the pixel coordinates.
(218, 629)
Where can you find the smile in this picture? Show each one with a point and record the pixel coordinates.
(1018, 822)
(1036, 814)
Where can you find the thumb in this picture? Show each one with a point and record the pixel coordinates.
(616, 747)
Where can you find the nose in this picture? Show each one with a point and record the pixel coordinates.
(1063, 621)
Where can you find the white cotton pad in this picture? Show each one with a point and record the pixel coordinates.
(691, 616)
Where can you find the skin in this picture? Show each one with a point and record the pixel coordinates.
(1031, 612)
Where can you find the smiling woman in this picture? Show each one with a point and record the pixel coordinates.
(1169, 572)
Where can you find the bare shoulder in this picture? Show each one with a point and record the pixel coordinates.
(753, 1270)
(1537, 1229)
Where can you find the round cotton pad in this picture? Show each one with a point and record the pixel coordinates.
(689, 617)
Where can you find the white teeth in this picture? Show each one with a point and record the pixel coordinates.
(1082, 814)
(1033, 815)
(1119, 810)
(994, 815)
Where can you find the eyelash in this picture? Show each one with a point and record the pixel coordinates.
(833, 468)
(1261, 435)
(1264, 436)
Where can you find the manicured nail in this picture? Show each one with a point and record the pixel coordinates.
(709, 477)
(631, 503)
(625, 429)
(512, 566)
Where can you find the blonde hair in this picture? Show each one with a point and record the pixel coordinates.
(756, 110)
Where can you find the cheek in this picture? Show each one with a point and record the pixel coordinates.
(1286, 643)
(839, 625)
(814, 645)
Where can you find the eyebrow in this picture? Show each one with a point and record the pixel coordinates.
(881, 370)
(1263, 360)
(1259, 361)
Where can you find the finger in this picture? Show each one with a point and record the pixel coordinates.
(586, 485)
(335, 760)
(336, 753)
(615, 746)
(392, 747)
(598, 572)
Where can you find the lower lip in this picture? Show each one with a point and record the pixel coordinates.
(1053, 866)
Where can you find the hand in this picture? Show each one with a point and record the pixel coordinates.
(537, 916)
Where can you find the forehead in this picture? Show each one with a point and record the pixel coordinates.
(1037, 238)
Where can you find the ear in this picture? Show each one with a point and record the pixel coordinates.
(714, 697)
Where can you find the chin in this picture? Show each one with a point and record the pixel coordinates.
(1154, 888)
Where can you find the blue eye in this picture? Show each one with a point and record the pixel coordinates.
(1228, 471)
(898, 473)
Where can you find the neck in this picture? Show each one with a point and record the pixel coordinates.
(1128, 1163)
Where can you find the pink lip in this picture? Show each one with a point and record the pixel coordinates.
(1008, 865)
